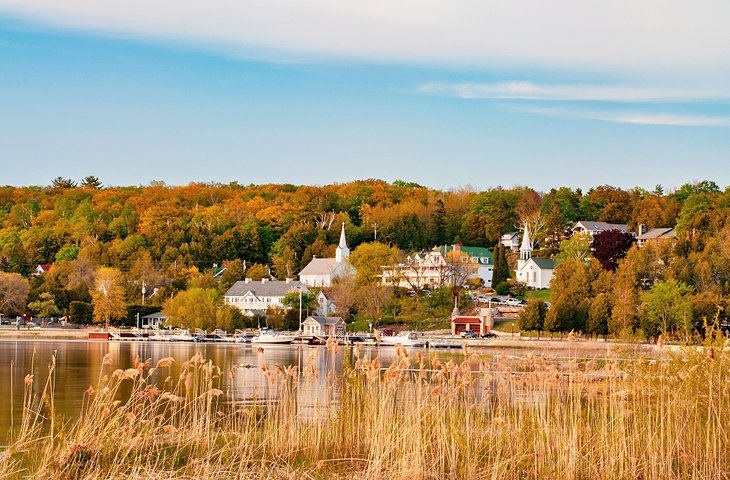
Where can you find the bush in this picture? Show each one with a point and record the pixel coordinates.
(502, 288)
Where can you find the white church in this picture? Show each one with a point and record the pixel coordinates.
(534, 272)
(321, 271)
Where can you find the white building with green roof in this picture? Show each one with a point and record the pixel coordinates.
(480, 256)
(534, 272)
(431, 268)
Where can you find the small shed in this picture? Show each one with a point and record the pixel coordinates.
(324, 326)
(153, 320)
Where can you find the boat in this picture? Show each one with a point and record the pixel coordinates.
(443, 344)
(159, 337)
(183, 336)
(269, 336)
(241, 337)
(404, 339)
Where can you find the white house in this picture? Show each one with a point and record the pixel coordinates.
(432, 268)
(418, 271)
(654, 234)
(153, 320)
(481, 257)
(534, 272)
(254, 298)
(325, 305)
(510, 240)
(323, 326)
(321, 271)
(595, 228)
(42, 268)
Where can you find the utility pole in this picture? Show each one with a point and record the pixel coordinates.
(144, 290)
(375, 229)
(301, 331)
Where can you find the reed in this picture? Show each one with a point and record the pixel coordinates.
(422, 417)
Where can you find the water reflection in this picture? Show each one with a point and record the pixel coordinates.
(79, 364)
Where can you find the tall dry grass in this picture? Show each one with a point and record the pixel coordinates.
(423, 417)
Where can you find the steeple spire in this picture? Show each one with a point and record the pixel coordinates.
(342, 252)
(526, 248)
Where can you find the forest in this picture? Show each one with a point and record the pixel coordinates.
(172, 239)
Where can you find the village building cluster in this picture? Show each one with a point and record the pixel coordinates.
(442, 265)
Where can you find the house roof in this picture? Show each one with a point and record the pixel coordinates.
(544, 263)
(600, 226)
(320, 266)
(473, 252)
(658, 233)
(509, 235)
(45, 266)
(325, 320)
(159, 315)
(466, 320)
(270, 288)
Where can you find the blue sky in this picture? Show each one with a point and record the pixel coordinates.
(335, 93)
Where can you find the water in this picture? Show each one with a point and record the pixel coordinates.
(79, 364)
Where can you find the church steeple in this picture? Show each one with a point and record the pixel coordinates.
(342, 252)
(526, 248)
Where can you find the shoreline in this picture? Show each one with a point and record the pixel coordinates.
(502, 341)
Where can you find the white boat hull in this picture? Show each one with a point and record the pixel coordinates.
(272, 339)
(404, 340)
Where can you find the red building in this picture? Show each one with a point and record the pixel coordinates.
(480, 324)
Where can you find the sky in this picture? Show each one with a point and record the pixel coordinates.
(446, 93)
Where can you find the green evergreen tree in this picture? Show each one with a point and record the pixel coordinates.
(438, 224)
(501, 271)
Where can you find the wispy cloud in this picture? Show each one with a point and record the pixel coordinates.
(628, 35)
(567, 92)
(637, 118)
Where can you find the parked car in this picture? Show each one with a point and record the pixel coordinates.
(513, 302)
(469, 334)
(489, 335)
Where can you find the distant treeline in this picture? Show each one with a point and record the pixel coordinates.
(284, 225)
(160, 234)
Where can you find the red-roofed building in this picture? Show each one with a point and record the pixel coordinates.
(480, 324)
(42, 268)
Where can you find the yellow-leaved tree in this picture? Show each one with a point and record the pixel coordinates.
(108, 295)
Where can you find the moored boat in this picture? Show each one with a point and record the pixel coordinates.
(404, 339)
(269, 336)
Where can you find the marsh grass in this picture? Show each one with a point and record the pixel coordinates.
(422, 417)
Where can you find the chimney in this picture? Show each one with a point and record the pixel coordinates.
(247, 280)
(642, 229)
(314, 256)
(264, 280)
(289, 280)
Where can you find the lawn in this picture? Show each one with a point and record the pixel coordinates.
(543, 295)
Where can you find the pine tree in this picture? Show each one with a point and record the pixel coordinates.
(438, 224)
(501, 266)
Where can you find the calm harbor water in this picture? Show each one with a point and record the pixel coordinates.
(79, 365)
